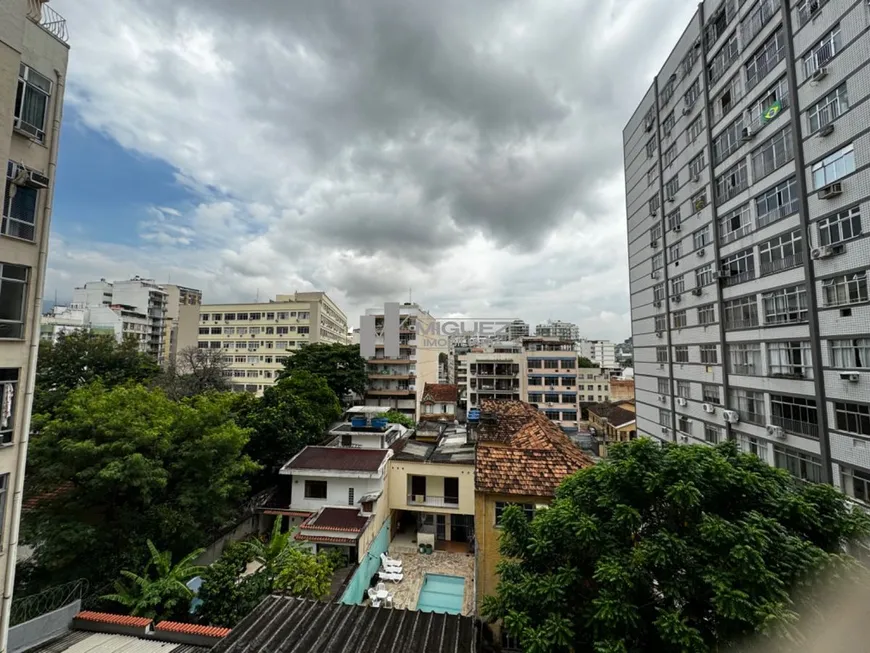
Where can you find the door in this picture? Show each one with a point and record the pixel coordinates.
(418, 486)
(451, 490)
(440, 527)
(461, 528)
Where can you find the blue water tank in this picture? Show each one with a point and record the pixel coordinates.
(380, 422)
(473, 415)
(358, 422)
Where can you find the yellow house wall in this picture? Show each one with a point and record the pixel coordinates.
(434, 473)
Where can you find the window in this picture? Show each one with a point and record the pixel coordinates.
(710, 393)
(303, 330)
(843, 226)
(668, 123)
(661, 322)
(856, 483)
(13, 295)
(678, 285)
(719, 21)
(852, 418)
(828, 109)
(723, 59)
(727, 98)
(658, 261)
(282, 315)
(672, 187)
(791, 359)
(794, 414)
(807, 9)
(315, 489)
(651, 175)
(673, 220)
(781, 253)
(735, 180)
(699, 201)
(658, 292)
(9, 381)
(691, 96)
(663, 386)
(241, 316)
(757, 18)
(709, 355)
(741, 313)
(701, 238)
(527, 508)
(758, 113)
(679, 318)
(4, 491)
(748, 403)
(706, 315)
(772, 154)
(785, 306)
(765, 58)
(712, 434)
(650, 147)
(741, 267)
(684, 389)
(661, 354)
(841, 290)
(696, 166)
(735, 224)
(669, 155)
(270, 316)
(689, 60)
(728, 140)
(668, 90)
(799, 464)
(655, 234)
(215, 331)
(744, 359)
(684, 424)
(31, 102)
(242, 331)
(203, 331)
(229, 316)
(19, 208)
(834, 166)
(204, 317)
(649, 119)
(282, 330)
(665, 418)
(704, 275)
(228, 331)
(695, 129)
(823, 51)
(777, 203)
(850, 353)
(654, 204)
(674, 252)
(681, 354)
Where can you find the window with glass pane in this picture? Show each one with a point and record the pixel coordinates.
(658, 292)
(757, 18)
(856, 483)
(785, 306)
(709, 355)
(661, 354)
(741, 267)
(672, 187)
(794, 414)
(710, 393)
(790, 359)
(701, 238)
(675, 252)
(741, 313)
(704, 275)
(19, 210)
(823, 51)
(843, 226)
(712, 434)
(776, 94)
(706, 315)
(834, 166)
(781, 253)
(684, 389)
(699, 201)
(765, 58)
(651, 175)
(678, 285)
(673, 219)
(681, 354)
(31, 102)
(660, 322)
(665, 418)
(749, 403)
(679, 318)
(745, 359)
(728, 140)
(845, 289)
(735, 224)
(772, 154)
(653, 204)
(663, 387)
(13, 295)
(734, 181)
(684, 424)
(799, 464)
(691, 96)
(696, 166)
(9, 388)
(669, 155)
(668, 124)
(695, 129)
(828, 109)
(650, 147)
(658, 261)
(723, 59)
(655, 233)
(852, 418)
(850, 353)
(777, 203)
(727, 98)
(750, 444)
(668, 91)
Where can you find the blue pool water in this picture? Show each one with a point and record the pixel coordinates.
(441, 593)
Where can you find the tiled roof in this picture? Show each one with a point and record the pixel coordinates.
(324, 539)
(114, 619)
(614, 411)
(192, 629)
(440, 392)
(347, 520)
(538, 456)
(284, 624)
(620, 416)
(338, 459)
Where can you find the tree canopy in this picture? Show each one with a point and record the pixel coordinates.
(341, 365)
(195, 371)
(395, 417)
(666, 548)
(582, 361)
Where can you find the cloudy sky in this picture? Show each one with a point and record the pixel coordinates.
(467, 150)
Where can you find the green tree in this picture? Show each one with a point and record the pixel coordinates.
(666, 548)
(341, 365)
(227, 596)
(582, 361)
(82, 357)
(305, 574)
(195, 371)
(395, 417)
(293, 413)
(118, 466)
(161, 590)
(273, 552)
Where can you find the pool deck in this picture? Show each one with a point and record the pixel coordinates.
(417, 565)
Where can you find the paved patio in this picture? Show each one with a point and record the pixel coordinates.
(417, 565)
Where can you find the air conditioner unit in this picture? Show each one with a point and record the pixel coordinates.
(654, 274)
(681, 401)
(776, 431)
(724, 274)
(657, 304)
(696, 292)
(677, 228)
(696, 177)
(662, 398)
(731, 416)
(30, 130)
(653, 212)
(709, 408)
(676, 299)
(825, 251)
(747, 135)
(653, 243)
(852, 377)
(665, 430)
(658, 334)
(820, 73)
(701, 252)
(671, 199)
(549, 403)
(831, 190)
(419, 498)
(827, 130)
(36, 179)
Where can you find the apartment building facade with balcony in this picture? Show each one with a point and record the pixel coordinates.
(747, 188)
(33, 64)
(256, 338)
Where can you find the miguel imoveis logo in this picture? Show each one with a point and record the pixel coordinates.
(429, 332)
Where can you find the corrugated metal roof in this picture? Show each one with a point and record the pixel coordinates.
(61, 645)
(104, 643)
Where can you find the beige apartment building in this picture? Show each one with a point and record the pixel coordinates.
(257, 337)
(33, 62)
(180, 328)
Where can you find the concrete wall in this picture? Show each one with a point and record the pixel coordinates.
(42, 629)
(336, 491)
(399, 488)
(240, 531)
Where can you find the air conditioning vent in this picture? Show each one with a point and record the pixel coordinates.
(671, 199)
(658, 334)
(653, 243)
(820, 73)
(681, 401)
(831, 190)
(827, 130)
(776, 431)
(665, 430)
(696, 292)
(826, 251)
(701, 252)
(731, 416)
(747, 135)
(657, 304)
(662, 398)
(677, 228)
(676, 299)
(851, 377)
(709, 408)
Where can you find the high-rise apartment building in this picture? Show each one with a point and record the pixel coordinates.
(600, 352)
(182, 320)
(747, 194)
(517, 330)
(256, 338)
(33, 62)
(558, 329)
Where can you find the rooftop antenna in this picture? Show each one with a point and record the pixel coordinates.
(409, 296)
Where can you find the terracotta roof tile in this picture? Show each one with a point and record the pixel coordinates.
(114, 619)
(192, 629)
(338, 458)
(324, 538)
(440, 392)
(538, 456)
(347, 520)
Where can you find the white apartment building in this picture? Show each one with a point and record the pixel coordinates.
(517, 330)
(33, 63)
(180, 328)
(116, 319)
(257, 337)
(747, 200)
(600, 352)
(558, 329)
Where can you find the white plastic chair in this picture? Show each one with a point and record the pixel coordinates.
(390, 562)
(373, 595)
(391, 570)
(391, 577)
(380, 587)
(389, 601)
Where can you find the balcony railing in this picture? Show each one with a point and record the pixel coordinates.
(432, 501)
(780, 264)
(48, 19)
(740, 277)
(795, 426)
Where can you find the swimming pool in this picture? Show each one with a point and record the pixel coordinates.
(441, 593)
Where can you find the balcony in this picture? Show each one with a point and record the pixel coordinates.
(433, 501)
(48, 19)
(391, 392)
(780, 264)
(796, 426)
(739, 277)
